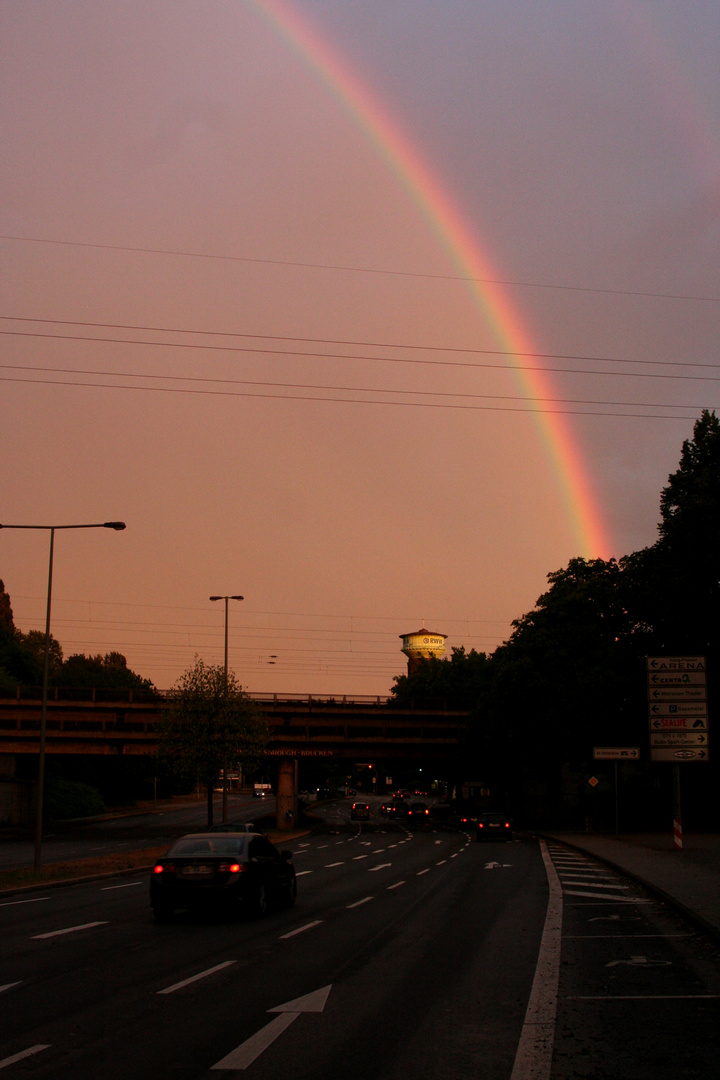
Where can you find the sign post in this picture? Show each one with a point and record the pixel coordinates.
(678, 718)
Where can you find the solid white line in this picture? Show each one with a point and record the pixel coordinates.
(359, 902)
(301, 929)
(35, 900)
(23, 1054)
(252, 1048)
(533, 1059)
(130, 884)
(644, 997)
(194, 978)
(605, 896)
(396, 885)
(70, 929)
(380, 866)
(8, 986)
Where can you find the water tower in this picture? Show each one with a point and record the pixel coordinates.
(421, 645)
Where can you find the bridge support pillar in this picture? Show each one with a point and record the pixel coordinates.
(287, 794)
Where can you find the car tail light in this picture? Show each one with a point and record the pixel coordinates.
(161, 868)
(507, 824)
(231, 868)
(480, 825)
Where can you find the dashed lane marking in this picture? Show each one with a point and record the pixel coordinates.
(396, 885)
(380, 866)
(129, 885)
(35, 900)
(24, 1054)
(195, 978)
(359, 902)
(300, 929)
(69, 929)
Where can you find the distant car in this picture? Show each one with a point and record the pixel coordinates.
(231, 871)
(418, 813)
(384, 809)
(360, 810)
(493, 827)
(397, 810)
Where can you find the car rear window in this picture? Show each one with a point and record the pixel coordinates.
(204, 845)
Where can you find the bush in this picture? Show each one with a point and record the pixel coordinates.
(65, 799)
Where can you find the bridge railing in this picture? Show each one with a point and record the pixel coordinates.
(141, 695)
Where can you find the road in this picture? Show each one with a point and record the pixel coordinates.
(408, 954)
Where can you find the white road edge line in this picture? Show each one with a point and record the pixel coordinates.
(533, 1059)
(70, 929)
(301, 929)
(24, 1054)
(194, 978)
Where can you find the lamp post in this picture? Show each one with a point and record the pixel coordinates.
(226, 599)
(118, 526)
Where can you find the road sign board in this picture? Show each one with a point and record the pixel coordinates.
(616, 753)
(664, 753)
(678, 708)
(676, 678)
(677, 693)
(678, 738)
(678, 723)
(676, 663)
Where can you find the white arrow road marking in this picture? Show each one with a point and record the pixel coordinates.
(23, 1054)
(252, 1048)
(70, 929)
(640, 961)
(497, 865)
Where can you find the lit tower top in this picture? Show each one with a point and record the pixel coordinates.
(421, 645)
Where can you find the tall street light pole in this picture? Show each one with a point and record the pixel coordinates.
(118, 526)
(224, 789)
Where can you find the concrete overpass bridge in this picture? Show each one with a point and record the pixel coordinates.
(300, 727)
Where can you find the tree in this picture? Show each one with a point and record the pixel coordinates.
(211, 724)
(108, 672)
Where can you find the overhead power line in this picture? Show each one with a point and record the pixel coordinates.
(297, 264)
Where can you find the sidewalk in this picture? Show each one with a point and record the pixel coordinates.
(690, 878)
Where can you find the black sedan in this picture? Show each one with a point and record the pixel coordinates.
(493, 827)
(418, 813)
(234, 871)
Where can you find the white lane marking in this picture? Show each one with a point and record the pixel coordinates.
(300, 929)
(328, 865)
(35, 900)
(24, 1054)
(356, 857)
(300, 873)
(9, 986)
(438, 841)
(533, 1059)
(380, 866)
(70, 929)
(130, 885)
(359, 902)
(441, 862)
(396, 885)
(455, 855)
(609, 897)
(194, 978)
(421, 872)
(321, 846)
(377, 851)
(244, 1055)
(595, 884)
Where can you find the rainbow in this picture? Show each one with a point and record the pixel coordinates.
(456, 237)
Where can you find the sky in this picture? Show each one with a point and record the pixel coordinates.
(376, 312)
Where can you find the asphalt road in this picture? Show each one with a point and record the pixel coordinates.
(407, 954)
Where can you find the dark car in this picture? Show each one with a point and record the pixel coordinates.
(360, 810)
(418, 813)
(397, 810)
(493, 827)
(235, 871)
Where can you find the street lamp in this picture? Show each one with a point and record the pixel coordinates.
(118, 526)
(226, 599)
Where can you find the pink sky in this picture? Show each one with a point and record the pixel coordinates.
(183, 167)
